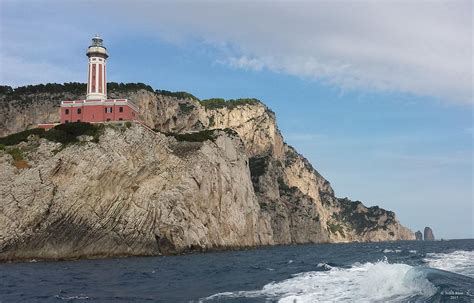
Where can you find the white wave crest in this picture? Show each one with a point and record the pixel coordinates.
(369, 282)
(460, 261)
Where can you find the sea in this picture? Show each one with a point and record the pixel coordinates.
(406, 271)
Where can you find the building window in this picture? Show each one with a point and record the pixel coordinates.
(66, 111)
(108, 109)
(78, 110)
(67, 121)
(108, 120)
(120, 119)
(79, 120)
(121, 109)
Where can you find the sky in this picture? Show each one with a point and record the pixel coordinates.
(378, 95)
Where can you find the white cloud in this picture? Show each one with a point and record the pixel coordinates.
(422, 47)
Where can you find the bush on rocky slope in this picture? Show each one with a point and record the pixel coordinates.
(62, 133)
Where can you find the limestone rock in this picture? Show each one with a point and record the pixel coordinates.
(139, 192)
(428, 234)
(419, 236)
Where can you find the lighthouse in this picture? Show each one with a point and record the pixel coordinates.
(96, 108)
(96, 80)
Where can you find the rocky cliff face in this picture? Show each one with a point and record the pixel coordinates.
(138, 192)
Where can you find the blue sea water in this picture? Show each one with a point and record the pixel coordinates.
(407, 271)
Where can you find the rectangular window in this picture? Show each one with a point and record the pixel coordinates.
(108, 110)
(79, 120)
(121, 109)
(66, 111)
(120, 119)
(108, 120)
(67, 121)
(78, 110)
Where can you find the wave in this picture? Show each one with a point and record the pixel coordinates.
(369, 282)
(460, 261)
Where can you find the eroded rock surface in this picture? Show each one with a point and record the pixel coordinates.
(139, 192)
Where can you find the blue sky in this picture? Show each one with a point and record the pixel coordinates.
(377, 95)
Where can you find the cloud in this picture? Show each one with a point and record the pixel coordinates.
(423, 48)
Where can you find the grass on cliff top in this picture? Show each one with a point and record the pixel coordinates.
(62, 133)
(177, 95)
(216, 103)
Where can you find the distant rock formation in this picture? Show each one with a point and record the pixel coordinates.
(419, 236)
(428, 234)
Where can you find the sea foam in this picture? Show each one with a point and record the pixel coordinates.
(368, 282)
(460, 262)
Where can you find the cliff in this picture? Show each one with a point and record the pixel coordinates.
(232, 182)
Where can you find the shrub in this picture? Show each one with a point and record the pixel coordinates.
(14, 139)
(216, 103)
(186, 108)
(195, 136)
(62, 133)
(336, 228)
(177, 95)
(126, 87)
(16, 154)
(128, 124)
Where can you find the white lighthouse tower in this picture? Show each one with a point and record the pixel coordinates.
(96, 83)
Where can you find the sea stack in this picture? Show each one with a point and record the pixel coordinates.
(428, 234)
(419, 236)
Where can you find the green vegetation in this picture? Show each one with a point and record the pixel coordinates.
(14, 139)
(336, 228)
(212, 121)
(195, 137)
(62, 133)
(18, 158)
(72, 87)
(127, 87)
(186, 108)
(290, 156)
(283, 187)
(177, 95)
(128, 124)
(200, 136)
(258, 166)
(16, 154)
(216, 103)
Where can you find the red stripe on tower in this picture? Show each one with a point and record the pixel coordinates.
(100, 78)
(105, 82)
(93, 78)
(89, 80)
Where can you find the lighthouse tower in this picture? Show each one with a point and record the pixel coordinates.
(96, 108)
(96, 81)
